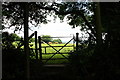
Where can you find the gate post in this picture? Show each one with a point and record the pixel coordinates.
(40, 48)
(77, 41)
(36, 45)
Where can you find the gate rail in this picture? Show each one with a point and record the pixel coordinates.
(57, 51)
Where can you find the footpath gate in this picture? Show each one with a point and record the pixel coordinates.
(39, 49)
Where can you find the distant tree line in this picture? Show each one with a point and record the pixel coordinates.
(14, 37)
(48, 38)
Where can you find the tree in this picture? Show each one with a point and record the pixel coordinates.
(32, 40)
(103, 60)
(18, 15)
(110, 23)
(98, 26)
(13, 12)
(7, 41)
(46, 38)
(78, 14)
(15, 37)
(57, 40)
(11, 56)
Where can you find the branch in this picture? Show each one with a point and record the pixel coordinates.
(91, 35)
(88, 24)
(77, 12)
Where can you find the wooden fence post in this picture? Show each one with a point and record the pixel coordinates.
(73, 42)
(45, 50)
(40, 48)
(77, 41)
(36, 45)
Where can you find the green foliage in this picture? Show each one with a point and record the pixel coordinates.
(61, 61)
(13, 63)
(110, 23)
(46, 38)
(12, 57)
(75, 11)
(51, 50)
(91, 62)
(80, 60)
(15, 37)
(32, 40)
(14, 12)
(7, 41)
(57, 40)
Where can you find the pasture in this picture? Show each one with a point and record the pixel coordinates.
(48, 51)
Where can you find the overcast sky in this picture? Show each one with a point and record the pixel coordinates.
(53, 29)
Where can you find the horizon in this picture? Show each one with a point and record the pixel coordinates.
(53, 28)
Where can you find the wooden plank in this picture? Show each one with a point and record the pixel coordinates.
(54, 53)
(40, 49)
(59, 37)
(56, 46)
(59, 50)
(77, 40)
(23, 41)
(36, 45)
(45, 50)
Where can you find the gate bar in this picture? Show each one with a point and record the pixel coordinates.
(59, 50)
(36, 45)
(40, 49)
(77, 34)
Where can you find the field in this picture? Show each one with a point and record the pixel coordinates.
(48, 51)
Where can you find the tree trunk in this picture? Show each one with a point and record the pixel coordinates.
(26, 43)
(98, 26)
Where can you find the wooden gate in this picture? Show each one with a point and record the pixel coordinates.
(39, 49)
(57, 51)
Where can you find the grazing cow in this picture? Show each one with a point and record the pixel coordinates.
(56, 42)
(60, 42)
(49, 42)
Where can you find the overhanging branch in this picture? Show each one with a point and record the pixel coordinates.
(77, 12)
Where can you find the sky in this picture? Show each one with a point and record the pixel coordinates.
(53, 28)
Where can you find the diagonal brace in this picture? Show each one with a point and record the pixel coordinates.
(57, 51)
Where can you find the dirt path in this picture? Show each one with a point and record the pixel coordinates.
(51, 72)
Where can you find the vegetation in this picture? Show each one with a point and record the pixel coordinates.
(12, 57)
(99, 59)
(47, 49)
(46, 38)
(8, 39)
(57, 40)
(32, 40)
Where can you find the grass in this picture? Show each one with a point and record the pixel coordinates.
(46, 54)
(51, 50)
(58, 56)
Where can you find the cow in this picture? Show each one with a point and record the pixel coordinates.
(56, 42)
(49, 42)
